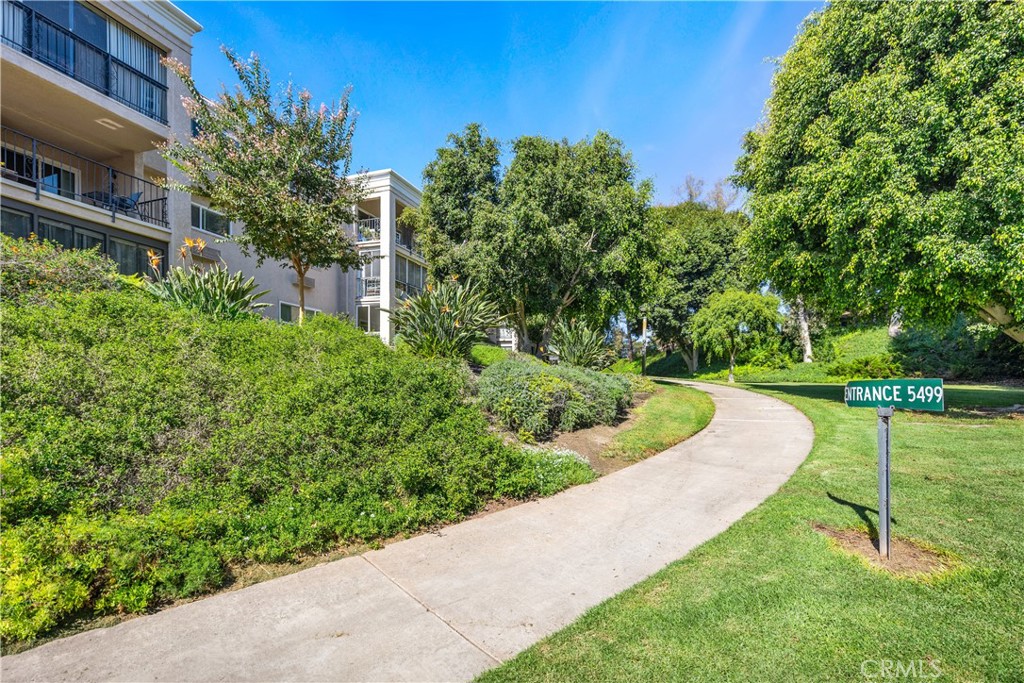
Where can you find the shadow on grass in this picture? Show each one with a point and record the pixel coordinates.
(862, 512)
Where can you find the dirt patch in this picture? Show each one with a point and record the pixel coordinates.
(906, 558)
(593, 443)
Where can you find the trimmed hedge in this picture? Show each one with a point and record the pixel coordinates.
(536, 400)
(147, 449)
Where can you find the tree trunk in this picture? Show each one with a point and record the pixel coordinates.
(998, 315)
(627, 339)
(805, 330)
(688, 350)
(895, 323)
(523, 335)
(301, 273)
(696, 357)
(732, 366)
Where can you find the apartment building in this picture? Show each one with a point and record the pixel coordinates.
(84, 101)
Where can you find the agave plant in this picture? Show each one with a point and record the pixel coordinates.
(446, 320)
(576, 344)
(212, 290)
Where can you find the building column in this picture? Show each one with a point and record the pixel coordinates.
(387, 262)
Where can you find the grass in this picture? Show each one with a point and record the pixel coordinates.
(672, 414)
(772, 599)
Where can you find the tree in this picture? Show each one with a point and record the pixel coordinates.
(692, 189)
(732, 320)
(560, 232)
(698, 256)
(887, 174)
(279, 166)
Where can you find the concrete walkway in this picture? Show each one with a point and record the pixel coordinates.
(449, 605)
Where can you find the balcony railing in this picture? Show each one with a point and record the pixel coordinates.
(30, 32)
(408, 241)
(369, 286)
(47, 168)
(368, 229)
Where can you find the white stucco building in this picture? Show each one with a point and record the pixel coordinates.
(84, 100)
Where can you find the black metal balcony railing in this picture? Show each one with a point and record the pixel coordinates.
(33, 34)
(47, 168)
(408, 241)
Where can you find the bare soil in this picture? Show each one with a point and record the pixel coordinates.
(906, 558)
(593, 442)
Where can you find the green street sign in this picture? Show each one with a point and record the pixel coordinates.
(911, 394)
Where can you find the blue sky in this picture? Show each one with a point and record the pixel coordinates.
(679, 83)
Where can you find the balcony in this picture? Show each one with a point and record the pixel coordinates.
(46, 41)
(54, 170)
(368, 286)
(368, 230)
(408, 241)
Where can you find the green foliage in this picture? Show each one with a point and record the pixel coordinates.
(486, 355)
(213, 290)
(698, 256)
(887, 175)
(881, 366)
(535, 400)
(576, 344)
(280, 165)
(550, 470)
(732, 320)
(446, 320)
(148, 448)
(963, 350)
(34, 270)
(559, 232)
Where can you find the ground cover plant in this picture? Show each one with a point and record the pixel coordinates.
(149, 450)
(534, 399)
(773, 595)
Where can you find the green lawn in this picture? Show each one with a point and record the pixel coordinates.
(771, 599)
(669, 416)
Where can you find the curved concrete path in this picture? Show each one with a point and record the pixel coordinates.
(449, 605)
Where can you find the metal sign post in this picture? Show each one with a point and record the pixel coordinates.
(884, 488)
(887, 395)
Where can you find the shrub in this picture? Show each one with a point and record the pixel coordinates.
(878, 366)
(485, 355)
(962, 350)
(576, 344)
(148, 448)
(34, 270)
(214, 290)
(446, 320)
(535, 400)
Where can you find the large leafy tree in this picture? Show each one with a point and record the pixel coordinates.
(280, 165)
(698, 256)
(887, 175)
(560, 232)
(732, 320)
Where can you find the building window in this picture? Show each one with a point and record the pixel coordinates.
(16, 223)
(368, 277)
(290, 312)
(368, 318)
(54, 178)
(410, 277)
(210, 220)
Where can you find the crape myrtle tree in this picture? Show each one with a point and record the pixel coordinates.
(279, 164)
(698, 256)
(559, 232)
(733, 320)
(887, 176)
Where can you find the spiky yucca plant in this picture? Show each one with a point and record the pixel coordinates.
(446, 320)
(214, 290)
(576, 344)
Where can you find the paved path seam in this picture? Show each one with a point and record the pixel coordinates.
(430, 609)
